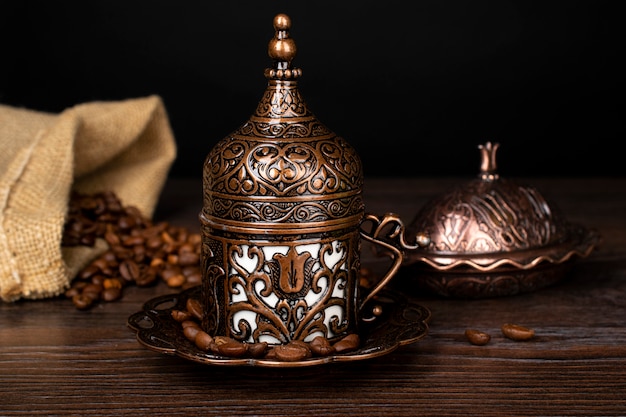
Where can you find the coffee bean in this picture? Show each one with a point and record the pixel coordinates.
(172, 259)
(89, 271)
(126, 222)
(292, 351)
(112, 238)
(194, 278)
(203, 340)
(194, 307)
(111, 294)
(257, 350)
(176, 281)
(348, 343)
(129, 270)
(106, 262)
(321, 346)
(133, 240)
(147, 278)
(92, 289)
(191, 332)
(517, 332)
(170, 270)
(188, 258)
(82, 302)
(113, 283)
(271, 354)
(180, 315)
(71, 292)
(186, 247)
(153, 242)
(476, 337)
(98, 279)
(157, 264)
(227, 346)
(189, 323)
(167, 238)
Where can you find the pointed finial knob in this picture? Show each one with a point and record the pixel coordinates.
(282, 49)
(488, 167)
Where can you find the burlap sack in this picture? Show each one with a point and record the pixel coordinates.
(122, 146)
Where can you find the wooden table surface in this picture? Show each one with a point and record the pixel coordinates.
(57, 360)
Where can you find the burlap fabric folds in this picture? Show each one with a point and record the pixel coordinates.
(122, 146)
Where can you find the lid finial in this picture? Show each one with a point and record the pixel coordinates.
(488, 167)
(282, 49)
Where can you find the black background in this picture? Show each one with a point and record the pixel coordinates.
(414, 86)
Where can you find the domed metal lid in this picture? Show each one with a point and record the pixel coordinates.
(282, 170)
(491, 223)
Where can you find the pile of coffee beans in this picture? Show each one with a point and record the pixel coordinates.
(140, 252)
(295, 350)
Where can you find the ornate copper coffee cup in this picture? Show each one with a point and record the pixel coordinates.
(282, 222)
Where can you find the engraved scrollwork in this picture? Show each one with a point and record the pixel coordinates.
(282, 168)
(284, 294)
(493, 220)
(285, 211)
(282, 102)
(226, 157)
(255, 129)
(339, 155)
(262, 158)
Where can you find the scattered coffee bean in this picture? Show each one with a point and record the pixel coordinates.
(476, 337)
(516, 332)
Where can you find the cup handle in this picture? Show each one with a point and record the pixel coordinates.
(388, 231)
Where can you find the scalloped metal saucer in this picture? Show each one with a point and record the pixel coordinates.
(402, 322)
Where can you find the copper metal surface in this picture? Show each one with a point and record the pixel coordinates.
(494, 237)
(281, 220)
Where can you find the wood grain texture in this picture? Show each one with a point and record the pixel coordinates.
(56, 360)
